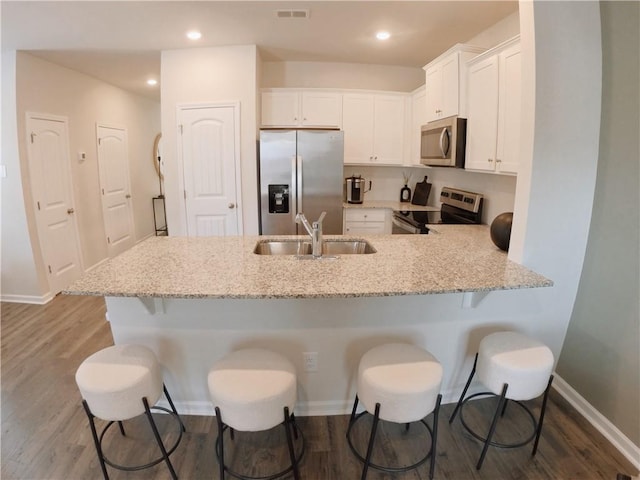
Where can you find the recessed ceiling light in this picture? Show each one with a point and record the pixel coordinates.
(383, 35)
(152, 82)
(194, 35)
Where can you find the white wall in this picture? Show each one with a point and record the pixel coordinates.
(20, 278)
(340, 75)
(44, 87)
(600, 356)
(207, 75)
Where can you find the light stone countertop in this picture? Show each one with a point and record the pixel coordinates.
(458, 258)
(391, 205)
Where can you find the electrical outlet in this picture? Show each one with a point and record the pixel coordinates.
(310, 361)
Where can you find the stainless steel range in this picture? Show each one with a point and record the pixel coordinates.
(458, 207)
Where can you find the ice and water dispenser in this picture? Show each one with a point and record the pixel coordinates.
(278, 198)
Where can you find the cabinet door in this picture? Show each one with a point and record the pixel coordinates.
(418, 118)
(509, 116)
(388, 133)
(357, 123)
(482, 122)
(450, 85)
(433, 91)
(280, 109)
(321, 109)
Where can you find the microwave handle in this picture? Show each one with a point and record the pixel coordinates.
(444, 149)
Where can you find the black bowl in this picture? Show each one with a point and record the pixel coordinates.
(501, 230)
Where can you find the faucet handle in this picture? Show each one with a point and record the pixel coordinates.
(321, 218)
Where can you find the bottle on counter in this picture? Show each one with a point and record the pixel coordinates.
(405, 192)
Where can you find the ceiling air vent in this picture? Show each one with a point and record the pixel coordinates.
(292, 13)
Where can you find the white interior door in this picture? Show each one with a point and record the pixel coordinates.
(50, 171)
(209, 145)
(113, 162)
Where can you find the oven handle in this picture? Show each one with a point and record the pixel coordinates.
(405, 226)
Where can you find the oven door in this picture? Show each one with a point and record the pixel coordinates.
(400, 227)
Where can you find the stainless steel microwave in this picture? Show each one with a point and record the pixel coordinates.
(442, 143)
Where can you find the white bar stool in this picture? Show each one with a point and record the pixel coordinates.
(254, 390)
(398, 383)
(513, 367)
(119, 383)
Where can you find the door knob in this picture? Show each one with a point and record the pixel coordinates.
(232, 205)
(70, 211)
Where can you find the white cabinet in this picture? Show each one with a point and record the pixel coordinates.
(301, 108)
(445, 82)
(374, 127)
(418, 119)
(363, 221)
(494, 110)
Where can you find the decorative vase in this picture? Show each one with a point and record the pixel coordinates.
(501, 230)
(405, 194)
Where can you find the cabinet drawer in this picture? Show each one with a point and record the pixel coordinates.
(365, 228)
(365, 215)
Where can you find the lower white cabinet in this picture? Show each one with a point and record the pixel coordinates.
(366, 221)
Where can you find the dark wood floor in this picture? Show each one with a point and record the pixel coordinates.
(45, 434)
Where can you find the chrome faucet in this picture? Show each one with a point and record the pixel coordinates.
(315, 232)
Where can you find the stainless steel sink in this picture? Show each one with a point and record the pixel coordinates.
(347, 247)
(283, 247)
(303, 247)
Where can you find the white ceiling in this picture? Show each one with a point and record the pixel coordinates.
(120, 41)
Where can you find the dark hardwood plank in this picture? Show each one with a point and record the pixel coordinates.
(45, 433)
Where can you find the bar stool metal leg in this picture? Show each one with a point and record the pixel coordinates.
(147, 411)
(464, 392)
(542, 410)
(492, 429)
(292, 453)
(374, 428)
(94, 434)
(173, 407)
(220, 442)
(353, 412)
(434, 439)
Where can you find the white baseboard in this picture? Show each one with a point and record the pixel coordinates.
(618, 439)
(32, 299)
(303, 409)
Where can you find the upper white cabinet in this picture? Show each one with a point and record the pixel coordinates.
(445, 82)
(418, 119)
(374, 128)
(301, 108)
(494, 110)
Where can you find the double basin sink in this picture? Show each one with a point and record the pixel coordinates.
(302, 248)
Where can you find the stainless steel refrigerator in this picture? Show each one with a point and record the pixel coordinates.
(300, 171)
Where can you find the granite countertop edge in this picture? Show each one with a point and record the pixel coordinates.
(456, 259)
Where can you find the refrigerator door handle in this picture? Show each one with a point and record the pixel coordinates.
(299, 183)
(293, 192)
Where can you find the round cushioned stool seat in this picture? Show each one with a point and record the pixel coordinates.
(403, 378)
(251, 387)
(517, 360)
(114, 380)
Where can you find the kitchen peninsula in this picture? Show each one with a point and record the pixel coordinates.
(194, 299)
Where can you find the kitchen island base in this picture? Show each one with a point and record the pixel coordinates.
(189, 335)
